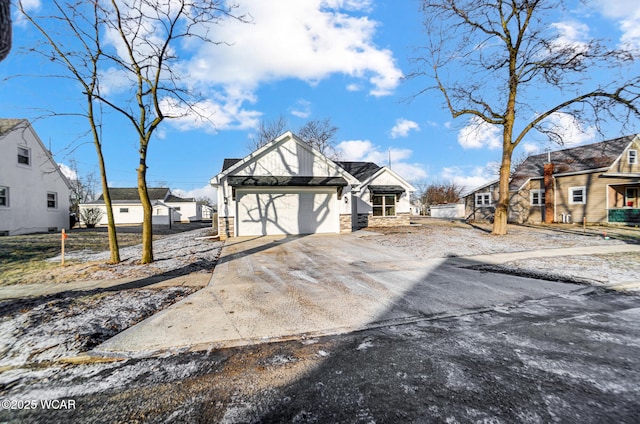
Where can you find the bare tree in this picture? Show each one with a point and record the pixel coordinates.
(142, 48)
(268, 131)
(82, 188)
(505, 52)
(319, 134)
(316, 133)
(439, 193)
(81, 62)
(5, 28)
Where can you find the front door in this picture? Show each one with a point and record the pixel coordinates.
(631, 197)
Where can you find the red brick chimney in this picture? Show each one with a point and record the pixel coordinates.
(549, 207)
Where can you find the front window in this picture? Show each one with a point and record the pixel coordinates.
(4, 196)
(633, 157)
(537, 197)
(483, 199)
(577, 195)
(52, 200)
(24, 156)
(124, 210)
(384, 204)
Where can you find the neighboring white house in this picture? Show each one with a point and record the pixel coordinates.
(127, 208)
(34, 194)
(287, 187)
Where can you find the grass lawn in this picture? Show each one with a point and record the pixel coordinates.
(23, 255)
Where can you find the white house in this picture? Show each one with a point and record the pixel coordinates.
(127, 208)
(34, 194)
(287, 187)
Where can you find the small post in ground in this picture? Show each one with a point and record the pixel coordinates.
(63, 237)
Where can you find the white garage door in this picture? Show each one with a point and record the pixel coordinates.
(287, 211)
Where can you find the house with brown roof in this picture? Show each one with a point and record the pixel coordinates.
(288, 187)
(34, 194)
(127, 208)
(597, 183)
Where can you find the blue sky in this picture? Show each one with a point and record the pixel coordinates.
(313, 59)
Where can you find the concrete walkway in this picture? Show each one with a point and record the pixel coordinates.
(18, 291)
(279, 288)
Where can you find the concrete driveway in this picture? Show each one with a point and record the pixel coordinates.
(278, 288)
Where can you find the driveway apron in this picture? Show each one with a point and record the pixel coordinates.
(279, 288)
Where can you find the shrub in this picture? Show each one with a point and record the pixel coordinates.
(90, 216)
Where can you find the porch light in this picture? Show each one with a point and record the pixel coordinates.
(226, 201)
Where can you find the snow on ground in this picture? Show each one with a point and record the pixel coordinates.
(437, 239)
(181, 253)
(35, 331)
(47, 328)
(63, 325)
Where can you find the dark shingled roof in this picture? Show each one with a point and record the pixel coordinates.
(387, 189)
(174, 198)
(228, 163)
(576, 159)
(360, 170)
(235, 181)
(131, 194)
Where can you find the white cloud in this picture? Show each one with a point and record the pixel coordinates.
(364, 150)
(627, 15)
(68, 172)
(478, 134)
(530, 148)
(222, 113)
(307, 40)
(302, 109)
(469, 178)
(571, 130)
(571, 35)
(402, 128)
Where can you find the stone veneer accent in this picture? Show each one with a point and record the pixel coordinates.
(389, 221)
(363, 220)
(225, 227)
(345, 223)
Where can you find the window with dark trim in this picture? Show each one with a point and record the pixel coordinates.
(52, 200)
(24, 156)
(384, 204)
(4, 196)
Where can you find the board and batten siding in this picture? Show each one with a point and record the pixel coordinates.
(288, 159)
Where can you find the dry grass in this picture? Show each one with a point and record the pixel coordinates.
(24, 258)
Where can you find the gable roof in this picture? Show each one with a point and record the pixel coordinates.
(127, 194)
(7, 126)
(360, 170)
(230, 165)
(585, 158)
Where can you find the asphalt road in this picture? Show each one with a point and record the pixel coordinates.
(570, 358)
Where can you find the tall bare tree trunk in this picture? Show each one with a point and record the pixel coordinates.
(147, 210)
(111, 224)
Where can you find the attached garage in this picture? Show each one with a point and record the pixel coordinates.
(286, 210)
(288, 187)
